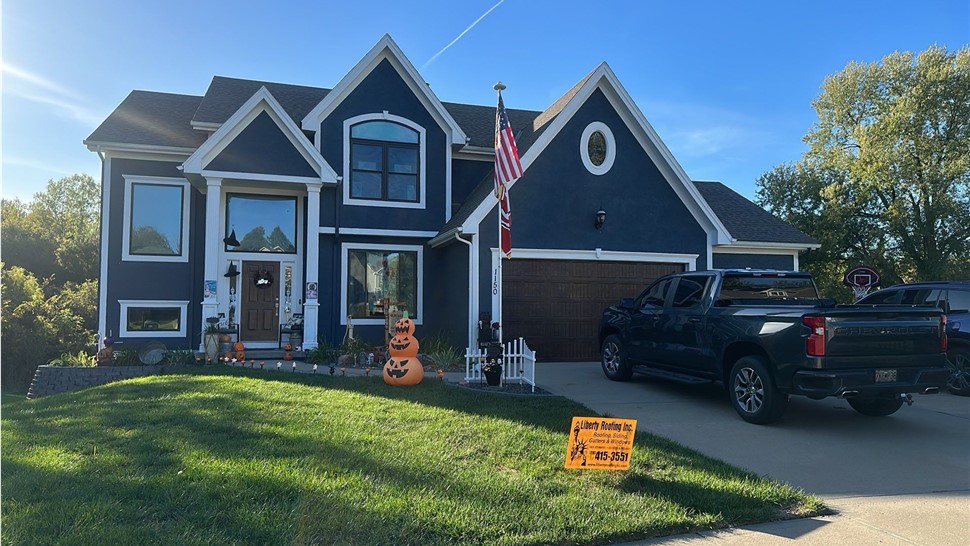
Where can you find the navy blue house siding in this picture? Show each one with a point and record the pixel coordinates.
(151, 280)
(643, 213)
(383, 89)
(262, 148)
(754, 261)
(465, 175)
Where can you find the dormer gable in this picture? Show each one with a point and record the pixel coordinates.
(260, 128)
(385, 50)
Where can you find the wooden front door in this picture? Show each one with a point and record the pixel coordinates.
(260, 313)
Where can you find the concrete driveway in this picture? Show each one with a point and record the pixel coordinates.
(903, 479)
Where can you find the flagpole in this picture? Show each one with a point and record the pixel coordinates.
(499, 86)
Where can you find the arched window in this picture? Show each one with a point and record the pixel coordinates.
(385, 162)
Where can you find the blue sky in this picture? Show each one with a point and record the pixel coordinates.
(727, 85)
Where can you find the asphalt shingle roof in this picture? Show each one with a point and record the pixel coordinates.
(225, 95)
(151, 118)
(747, 221)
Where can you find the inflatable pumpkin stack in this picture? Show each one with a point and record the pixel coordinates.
(403, 367)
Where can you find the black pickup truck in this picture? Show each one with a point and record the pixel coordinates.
(766, 335)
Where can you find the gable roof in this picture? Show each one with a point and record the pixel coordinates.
(261, 101)
(748, 222)
(558, 115)
(148, 118)
(225, 95)
(385, 48)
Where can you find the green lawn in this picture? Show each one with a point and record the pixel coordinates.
(220, 456)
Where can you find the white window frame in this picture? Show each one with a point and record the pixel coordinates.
(182, 306)
(607, 164)
(345, 249)
(131, 180)
(422, 149)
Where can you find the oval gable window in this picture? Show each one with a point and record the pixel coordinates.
(597, 148)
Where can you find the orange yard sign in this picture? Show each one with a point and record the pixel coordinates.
(600, 442)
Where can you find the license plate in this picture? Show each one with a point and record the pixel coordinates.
(885, 376)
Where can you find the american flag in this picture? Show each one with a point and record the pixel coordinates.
(507, 169)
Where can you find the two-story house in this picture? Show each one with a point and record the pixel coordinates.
(264, 201)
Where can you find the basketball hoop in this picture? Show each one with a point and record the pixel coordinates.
(861, 279)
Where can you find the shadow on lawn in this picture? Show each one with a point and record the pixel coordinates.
(146, 433)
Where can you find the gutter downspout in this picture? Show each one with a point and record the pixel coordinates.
(335, 273)
(472, 286)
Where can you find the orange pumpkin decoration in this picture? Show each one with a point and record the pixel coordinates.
(403, 371)
(404, 327)
(238, 346)
(240, 355)
(225, 338)
(403, 346)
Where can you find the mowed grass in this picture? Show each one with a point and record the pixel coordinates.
(219, 456)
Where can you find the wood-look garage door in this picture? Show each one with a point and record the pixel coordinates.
(556, 305)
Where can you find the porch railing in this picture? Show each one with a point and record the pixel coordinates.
(518, 363)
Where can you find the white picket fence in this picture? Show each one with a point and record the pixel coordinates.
(518, 363)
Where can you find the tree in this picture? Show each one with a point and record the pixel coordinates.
(57, 233)
(886, 179)
(37, 327)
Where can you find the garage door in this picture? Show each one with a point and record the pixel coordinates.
(556, 305)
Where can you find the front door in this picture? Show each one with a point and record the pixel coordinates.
(260, 313)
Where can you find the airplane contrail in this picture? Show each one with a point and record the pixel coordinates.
(471, 26)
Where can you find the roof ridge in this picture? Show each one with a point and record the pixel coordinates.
(553, 110)
(163, 93)
(314, 87)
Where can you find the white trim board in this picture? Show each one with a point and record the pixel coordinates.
(603, 78)
(385, 48)
(181, 305)
(261, 101)
(422, 163)
(329, 230)
(344, 264)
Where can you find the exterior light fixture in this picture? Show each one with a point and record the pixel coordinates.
(600, 218)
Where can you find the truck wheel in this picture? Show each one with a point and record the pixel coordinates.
(958, 360)
(615, 364)
(876, 407)
(753, 393)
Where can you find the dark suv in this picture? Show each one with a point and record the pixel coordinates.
(954, 298)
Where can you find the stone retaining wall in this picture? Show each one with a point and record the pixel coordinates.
(57, 379)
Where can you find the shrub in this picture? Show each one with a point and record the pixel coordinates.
(71, 360)
(179, 356)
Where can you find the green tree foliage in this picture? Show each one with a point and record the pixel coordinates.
(37, 327)
(57, 233)
(886, 180)
(49, 271)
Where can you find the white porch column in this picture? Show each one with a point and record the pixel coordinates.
(210, 302)
(311, 307)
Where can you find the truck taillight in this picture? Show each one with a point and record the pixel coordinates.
(815, 343)
(943, 333)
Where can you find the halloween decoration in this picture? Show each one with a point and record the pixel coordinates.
(231, 239)
(403, 371)
(106, 355)
(233, 272)
(238, 346)
(240, 355)
(404, 326)
(263, 279)
(287, 354)
(403, 367)
(403, 345)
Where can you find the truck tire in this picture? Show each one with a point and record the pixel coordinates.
(876, 407)
(614, 360)
(753, 393)
(958, 360)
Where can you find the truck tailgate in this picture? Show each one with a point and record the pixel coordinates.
(883, 331)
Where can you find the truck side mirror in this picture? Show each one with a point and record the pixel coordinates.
(627, 303)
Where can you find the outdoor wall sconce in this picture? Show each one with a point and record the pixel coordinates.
(600, 218)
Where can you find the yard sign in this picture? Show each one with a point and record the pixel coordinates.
(600, 443)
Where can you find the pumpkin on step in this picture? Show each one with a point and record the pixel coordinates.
(238, 346)
(240, 355)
